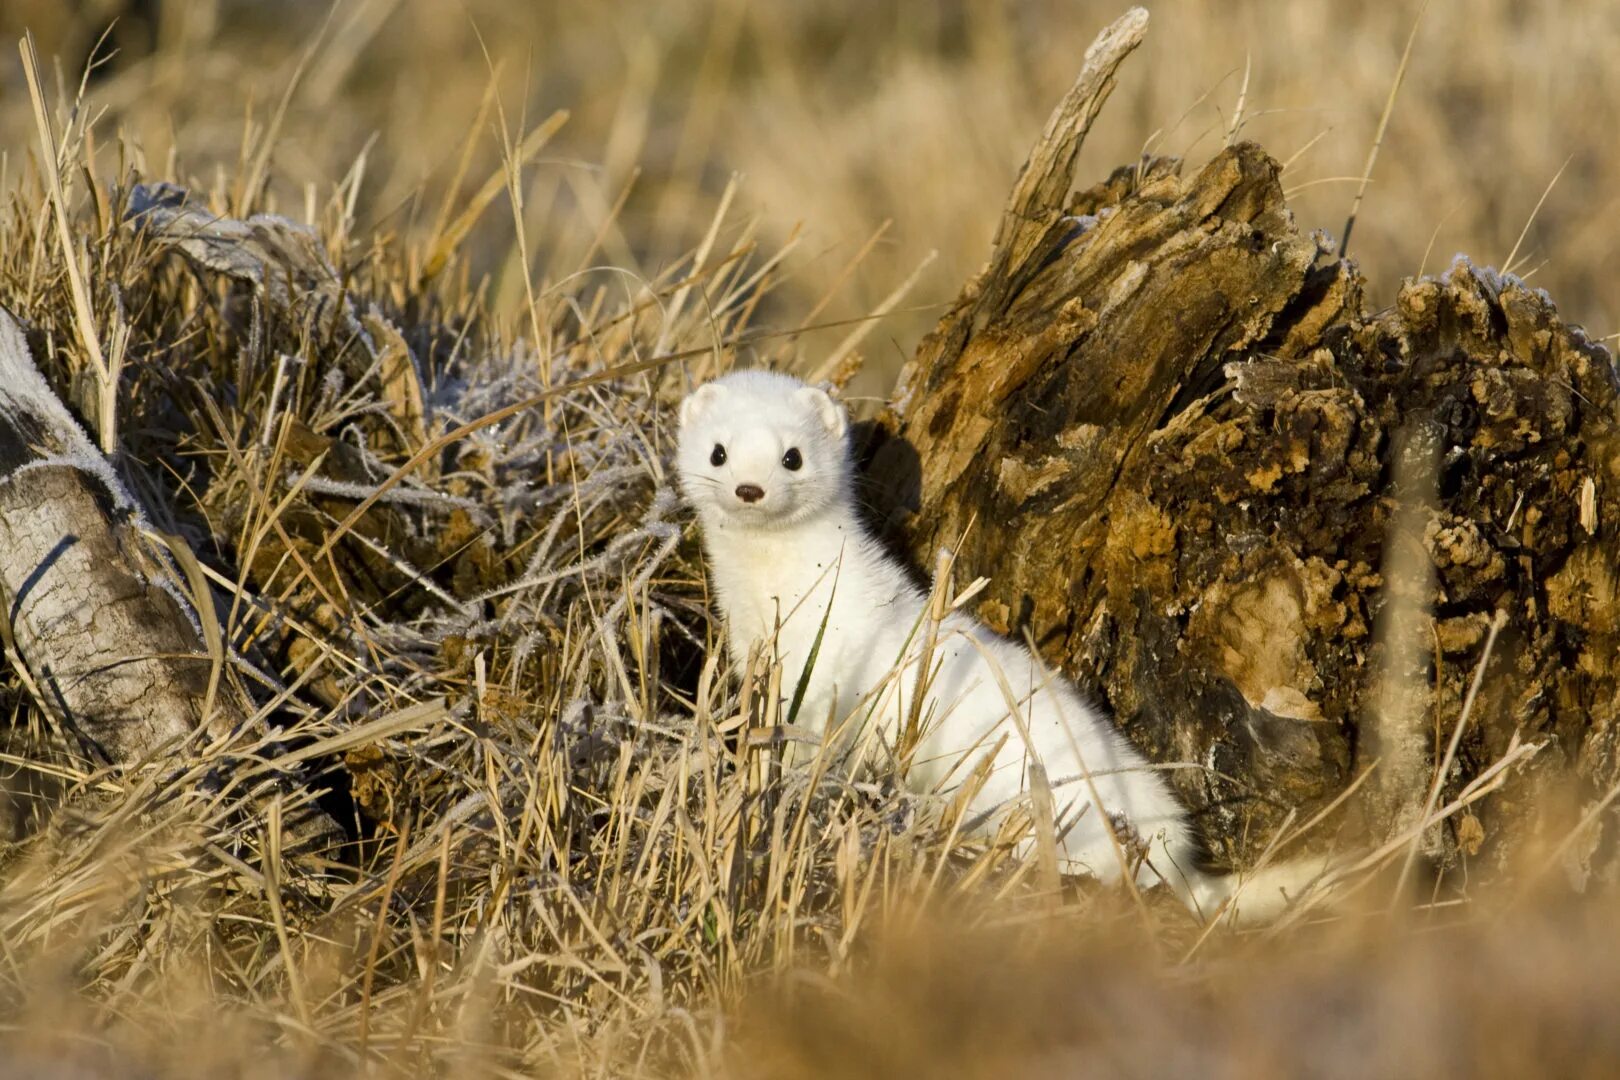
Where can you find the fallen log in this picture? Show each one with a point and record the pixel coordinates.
(1167, 426)
(108, 643)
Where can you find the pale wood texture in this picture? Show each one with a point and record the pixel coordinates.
(110, 646)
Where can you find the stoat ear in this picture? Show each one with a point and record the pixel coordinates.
(699, 400)
(831, 414)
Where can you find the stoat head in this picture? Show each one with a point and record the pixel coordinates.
(762, 450)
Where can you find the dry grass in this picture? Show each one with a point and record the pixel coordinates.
(845, 118)
(472, 597)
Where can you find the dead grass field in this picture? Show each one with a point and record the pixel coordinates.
(568, 864)
(841, 119)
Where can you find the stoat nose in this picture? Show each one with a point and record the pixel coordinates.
(750, 493)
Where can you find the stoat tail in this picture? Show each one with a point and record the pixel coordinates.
(1254, 897)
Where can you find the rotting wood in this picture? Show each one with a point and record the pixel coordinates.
(1162, 422)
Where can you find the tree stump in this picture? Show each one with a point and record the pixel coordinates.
(1167, 427)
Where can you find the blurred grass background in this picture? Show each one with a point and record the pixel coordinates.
(848, 120)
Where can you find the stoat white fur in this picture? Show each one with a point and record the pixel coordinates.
(765, 461)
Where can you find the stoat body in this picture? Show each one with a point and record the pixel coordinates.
(765, 461)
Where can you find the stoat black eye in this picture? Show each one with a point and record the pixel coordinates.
(717, 457)
(792, 461)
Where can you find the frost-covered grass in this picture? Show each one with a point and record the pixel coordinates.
(452, 570)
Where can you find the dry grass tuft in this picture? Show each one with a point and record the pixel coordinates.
(425, 478)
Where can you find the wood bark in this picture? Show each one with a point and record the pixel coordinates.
(1167, 426)
(109, 644)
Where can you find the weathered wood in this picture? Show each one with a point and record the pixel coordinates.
(109, 644)
(1164, 427)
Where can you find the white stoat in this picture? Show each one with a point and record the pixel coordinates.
(765, 460)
